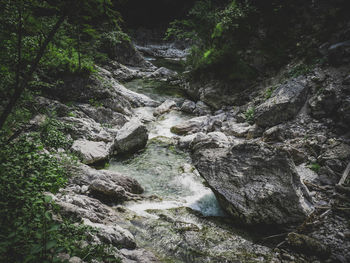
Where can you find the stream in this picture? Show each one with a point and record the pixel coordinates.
(161, 169)
(180, 219)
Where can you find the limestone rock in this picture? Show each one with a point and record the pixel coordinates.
(165, 107)
(284, 104)
(85, 175)
(254, 183)
(188, 106)
(131, 137)
(90, 151)
(102, 189)
(113, 234)
(191, 126)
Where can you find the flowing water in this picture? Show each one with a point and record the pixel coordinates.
(160, 167)
(181, 220)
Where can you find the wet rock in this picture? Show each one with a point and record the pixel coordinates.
(113, 234)
(284, 104)
(91, 152)
(191, 126)
(324, 103)
(307, 245)
(255, 183)
(188, 106)
(131, 137)
(165, 107)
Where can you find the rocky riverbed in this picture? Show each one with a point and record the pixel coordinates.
(193, 178)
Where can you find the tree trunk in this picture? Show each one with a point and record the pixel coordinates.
(21, 86)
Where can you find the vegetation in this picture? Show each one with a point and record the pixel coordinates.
(43, 41)
(231, 36)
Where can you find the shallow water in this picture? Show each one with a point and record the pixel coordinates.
(158, 168)
(155, 89)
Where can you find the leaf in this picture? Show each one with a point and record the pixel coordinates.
(47, 198)
(48, 215)
(50, 244)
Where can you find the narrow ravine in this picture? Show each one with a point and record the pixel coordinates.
(179, 218)
(161, 169)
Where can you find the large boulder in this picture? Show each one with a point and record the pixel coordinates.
(255, 183)
(284, 104)
(131, 137)
(91, 152)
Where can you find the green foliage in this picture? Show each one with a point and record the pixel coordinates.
(269, 91)
(250, 115)
(95, 103)
(315, 167)
(26, 173)
(53, 136)
(65, 60)
(29, 231)
(301, 69)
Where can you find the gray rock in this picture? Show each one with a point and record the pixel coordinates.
(188, 106)
(233, 128)
(210, 140)
(343, 113)
(113, 234)
(163, 73)
(138, 256)
(165, 107)
(103, 190)
(84, 175)
(285, 103)
(324, 103)
(90, 151)
(191, 126)
(185, 141)
(104, 115)
(131, 137)
(202, 109)
(85, 128)
(254, 183)
(75, 260)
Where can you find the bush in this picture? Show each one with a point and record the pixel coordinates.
(28, 230)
